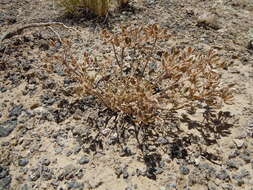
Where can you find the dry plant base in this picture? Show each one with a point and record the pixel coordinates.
(145, 82)
(99, 7)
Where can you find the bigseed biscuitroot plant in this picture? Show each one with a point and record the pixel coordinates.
(143, 80)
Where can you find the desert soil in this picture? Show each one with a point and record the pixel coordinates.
(52, 139)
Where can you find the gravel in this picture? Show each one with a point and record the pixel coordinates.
(222, 175)
(74, 185)
(45, 162)
(23, 162)
(184, 170)
(44, 137)
(212, 186)
(7, 127)
(232, 164)
(76, 149)
(83, 160)
(15, 111)
(34, 174)
(5, 178)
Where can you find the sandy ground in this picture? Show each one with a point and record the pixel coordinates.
(49, 137)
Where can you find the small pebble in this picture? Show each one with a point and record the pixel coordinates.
(184, 170)
(84, 160)
(23, 162)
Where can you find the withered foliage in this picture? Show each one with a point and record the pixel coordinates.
(142, 79)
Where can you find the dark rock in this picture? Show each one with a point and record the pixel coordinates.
(41, 74)
(16, 110)
(171, 186)
(30, 88)
(5, 178)
(151, 148)
(3, 89)
(222, 175)
(140, 173)
(125, 173)
(25, 187)
(232, 164)
(75, 185)
(113, 140)
(177, 150)
(44, 46)
(45, 162)
(162, 141)
(162, 164)
(118, 172)
(77, 149)
(240, 175)
(60, 141)
(184, 170)
(48, 99)
(126, 152)
(240, 182)
(55, 183)
(34, 174)
(60, 115)
(49, 84)
(233, 154)
(7, 127)
(212, 186)
(78, 130)
(27, 38)
(207, 169)
(227, 186)
(84, 160)
(129, 188)
(59, 69)
(88, 101)
(15, 78)
(58, 150)
(46, 173)
(244, 173)
(4, 172)
(193, 177)
(150, 173)
(6, 18)
(158, 171)
(23, 170)
(5, 182)
(6, 143)
(80, 173)
(245, 156)
(250, 45)
(69, 153)
(68, 173)
(23, 162)
(64, 103)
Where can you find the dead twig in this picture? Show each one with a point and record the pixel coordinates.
(17, 31)
(56, 33)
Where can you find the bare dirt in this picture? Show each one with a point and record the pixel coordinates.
(51, 139)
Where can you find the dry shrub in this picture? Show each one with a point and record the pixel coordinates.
(143, 81)
(99, 7)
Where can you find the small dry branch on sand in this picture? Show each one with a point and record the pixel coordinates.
(17, 31)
